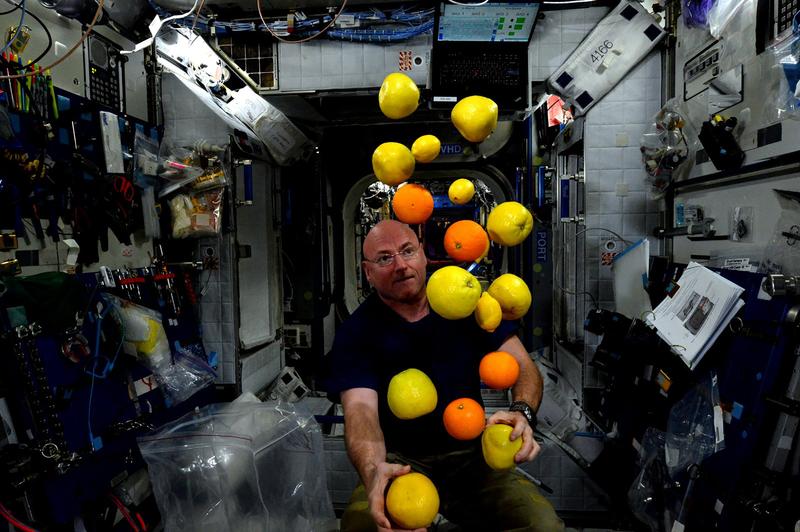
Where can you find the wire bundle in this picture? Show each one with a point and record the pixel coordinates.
(398, 25)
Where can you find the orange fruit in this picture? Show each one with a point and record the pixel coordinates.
(412, 204)
(499, 370)
(465, 241)
(464, 419)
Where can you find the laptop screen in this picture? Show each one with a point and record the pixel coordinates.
(491, 22)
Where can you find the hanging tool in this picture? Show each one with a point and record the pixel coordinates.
(165, 281)
(704, 228)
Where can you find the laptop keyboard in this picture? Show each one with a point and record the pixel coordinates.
(485, 69)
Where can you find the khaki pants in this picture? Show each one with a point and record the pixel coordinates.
(471, 495)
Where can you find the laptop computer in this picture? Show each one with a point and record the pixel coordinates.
(482, 49)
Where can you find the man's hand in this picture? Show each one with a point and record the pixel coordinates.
(530, 447)
(382, 474)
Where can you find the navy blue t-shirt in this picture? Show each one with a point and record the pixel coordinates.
(375, 344)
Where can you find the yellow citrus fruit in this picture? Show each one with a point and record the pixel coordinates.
(411, 394)
(412, 501)
(426, 148)
(509, 223)
(513, 295)
(453, 292)
(461, 191)
(488, 313)
(498, 449)
(475, 117)
(392, 163)
(399, 96)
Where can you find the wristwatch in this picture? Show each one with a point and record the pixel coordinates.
(526, 410)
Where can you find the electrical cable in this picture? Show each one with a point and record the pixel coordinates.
(306, 39)
(8, 516)
(69, 52)
(196, 15)
(91, 395)
(42, 24)
(16, 6)
(124, 511)
(468, 5)
(559, 259)
(49, 39)
(19, 27)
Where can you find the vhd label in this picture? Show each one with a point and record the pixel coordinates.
(452, 149)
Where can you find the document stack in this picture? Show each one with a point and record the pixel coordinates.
(696, 312)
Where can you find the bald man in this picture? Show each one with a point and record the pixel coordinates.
(394, 330)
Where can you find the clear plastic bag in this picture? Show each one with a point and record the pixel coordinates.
(214, 176)
(694, 430)
(179, 377)
(695, 12)
(669, 146)
(741, 224)
(721, 15)
(737, 44)
(654, 497)
(187, 375)
(786, 51)
(197, 214)
(145, 160)
(782, 253)
(240, 467)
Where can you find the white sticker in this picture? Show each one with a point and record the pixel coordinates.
(718, 506)
(145, 385)
(785, 442)
(739, 264)
(671, 456)
(638, 447)
(677, 526)
(719, 429)
(149, 166)
(155, 25)
(201, 220)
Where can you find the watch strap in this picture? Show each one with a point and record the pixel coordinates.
(526, 410)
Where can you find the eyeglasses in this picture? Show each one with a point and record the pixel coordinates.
(387, 259)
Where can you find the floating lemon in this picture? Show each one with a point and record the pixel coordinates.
(475, 117)
(488, 313)
(399, 96)
(461, 191)
(509, 223)
(392, 163)
(426, 148)
(411, 394)
(453, 292)
(513, 295)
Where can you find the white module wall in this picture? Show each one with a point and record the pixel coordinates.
(718, 202)
(556, 35)
(761, 82)
(327, 64)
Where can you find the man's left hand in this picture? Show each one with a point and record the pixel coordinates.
(530, 447)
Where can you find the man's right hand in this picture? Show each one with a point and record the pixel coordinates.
(376, 489)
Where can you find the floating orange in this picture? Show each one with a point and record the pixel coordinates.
(412, 204)
(499, 370)
(465, 241)
(464, 419)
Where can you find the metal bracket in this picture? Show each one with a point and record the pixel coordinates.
(784, 404)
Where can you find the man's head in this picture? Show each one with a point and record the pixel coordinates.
(394, 262)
